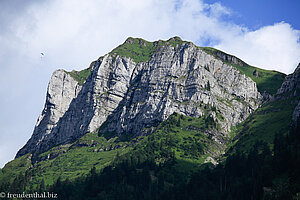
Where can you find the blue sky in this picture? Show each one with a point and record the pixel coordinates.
(73, 33)
(257, 13)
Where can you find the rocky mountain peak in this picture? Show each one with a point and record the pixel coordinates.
(139, 41)
(140, 84)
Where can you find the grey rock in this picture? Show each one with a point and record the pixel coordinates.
(175, 80)
(291, 85)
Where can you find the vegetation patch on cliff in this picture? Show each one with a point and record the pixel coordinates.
(141, 50)
(81, 76)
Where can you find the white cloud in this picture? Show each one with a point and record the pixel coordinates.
(72, 33)
(274, 47)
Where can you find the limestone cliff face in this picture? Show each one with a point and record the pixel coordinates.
(67, 117)
(121, 96)
(186, 80)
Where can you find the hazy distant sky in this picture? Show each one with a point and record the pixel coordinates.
(73, 33)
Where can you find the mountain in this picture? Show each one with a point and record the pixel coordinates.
(162, 111)
(140, 84)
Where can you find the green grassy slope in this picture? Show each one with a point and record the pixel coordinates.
(87, 152)
(14, 168)
(267, 121)
(81, 76)
(66, 161)
(138, 49)
(141, 50)
(181, 135)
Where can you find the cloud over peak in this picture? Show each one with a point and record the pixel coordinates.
(274, 47)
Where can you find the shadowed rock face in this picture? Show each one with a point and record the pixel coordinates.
(290, 89)
(124, 97)
(291, 85)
